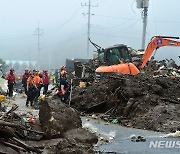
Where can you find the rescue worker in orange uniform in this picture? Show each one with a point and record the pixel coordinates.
(40, 83)
(31, 89)
(37, 82)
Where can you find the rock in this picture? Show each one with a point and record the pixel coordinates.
(81, 135)
(135, 138)
(70, 147)
(56, 118)
(157, 89)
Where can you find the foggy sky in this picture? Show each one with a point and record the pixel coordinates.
(64, 24)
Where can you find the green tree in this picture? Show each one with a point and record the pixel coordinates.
(3, 66)
(16, 66)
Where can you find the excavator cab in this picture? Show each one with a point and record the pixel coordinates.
(114, 55)
(115, 59)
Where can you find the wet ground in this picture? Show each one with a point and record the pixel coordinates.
(20, 100)
(120, 139)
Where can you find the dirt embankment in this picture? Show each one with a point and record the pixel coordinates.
(137, 101)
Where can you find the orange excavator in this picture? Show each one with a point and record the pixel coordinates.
(118, 58)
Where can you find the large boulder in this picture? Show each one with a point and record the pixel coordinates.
(56, 117)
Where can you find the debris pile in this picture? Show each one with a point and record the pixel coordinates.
(14, 131)
(58, 129)
(166, 67)
(140, 101)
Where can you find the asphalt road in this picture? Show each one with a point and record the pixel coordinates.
(120, 139)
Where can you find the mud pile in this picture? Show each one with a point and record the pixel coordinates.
(140, 101)
(58, 120)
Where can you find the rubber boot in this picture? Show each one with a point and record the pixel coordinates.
(27, 103)
(31, 103)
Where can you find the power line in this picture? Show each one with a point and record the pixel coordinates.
(72, 17)
(67, 40)
(124, 22)
(115, 36)
(13, 38)
(99, 15)
(128, 26)
(101, 1)
(132, 6)
(154, 18)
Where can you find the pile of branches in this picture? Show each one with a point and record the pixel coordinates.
(14, 132)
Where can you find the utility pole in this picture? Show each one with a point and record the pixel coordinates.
(89, 22)
(38, 32)
(143, 4)
(144, 16)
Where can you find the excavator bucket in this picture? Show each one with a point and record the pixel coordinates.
(125, 68)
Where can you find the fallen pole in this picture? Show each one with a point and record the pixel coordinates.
(107, 112)
(70, 97)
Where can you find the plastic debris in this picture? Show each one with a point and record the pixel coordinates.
(115, 121)
(2, 98)
(135, 138)
(25, 119)
(42, 97)
(31, 120)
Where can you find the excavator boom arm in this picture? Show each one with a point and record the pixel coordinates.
(157, 42)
